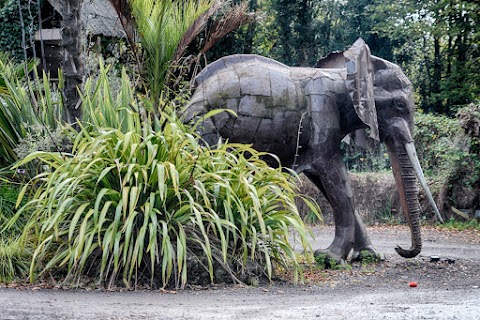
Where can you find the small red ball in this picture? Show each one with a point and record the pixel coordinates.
(412, 284)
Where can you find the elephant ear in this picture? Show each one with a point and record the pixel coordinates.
(359, 84)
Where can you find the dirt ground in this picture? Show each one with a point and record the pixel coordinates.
(447, 289)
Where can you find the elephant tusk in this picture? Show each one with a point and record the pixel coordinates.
(412, 155)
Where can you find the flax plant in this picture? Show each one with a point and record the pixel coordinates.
(24, 103)
(9, 69)
(135, 200)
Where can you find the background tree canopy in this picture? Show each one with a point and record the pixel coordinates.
(435, 41)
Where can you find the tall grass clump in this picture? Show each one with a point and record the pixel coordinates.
(140, 198)
(26, 106)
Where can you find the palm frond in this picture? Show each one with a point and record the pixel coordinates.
(233, 19)
(197, 26)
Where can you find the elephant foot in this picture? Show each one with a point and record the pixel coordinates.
(367, 254)
(328, 259)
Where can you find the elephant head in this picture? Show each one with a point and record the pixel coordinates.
(395, 111)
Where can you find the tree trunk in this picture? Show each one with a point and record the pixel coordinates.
(72, 63)
(437, 75)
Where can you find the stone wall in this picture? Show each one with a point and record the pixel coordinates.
(376, 198)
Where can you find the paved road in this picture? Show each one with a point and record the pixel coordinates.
(445, 292)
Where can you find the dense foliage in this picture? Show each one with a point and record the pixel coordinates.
(14, 30)
(449, 153)
(441, 144)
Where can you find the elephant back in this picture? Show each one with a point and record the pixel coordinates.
(230, 62)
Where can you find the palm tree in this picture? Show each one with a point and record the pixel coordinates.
(162, 26)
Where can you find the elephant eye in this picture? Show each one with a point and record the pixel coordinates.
(400, 105)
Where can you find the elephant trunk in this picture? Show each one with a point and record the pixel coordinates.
(406, 168)
(412, 155)
(407, 188)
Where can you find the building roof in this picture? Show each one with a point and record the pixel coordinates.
(98, 16)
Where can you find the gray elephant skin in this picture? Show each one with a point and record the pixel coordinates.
(302, 115)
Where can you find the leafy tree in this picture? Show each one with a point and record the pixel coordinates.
(297, 31)
(332, 31)
(459, 21)
(437, 43)
(360, 21)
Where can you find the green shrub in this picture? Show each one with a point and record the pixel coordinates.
(131, 201)
(440, 143)
(8, 197)
(445, 151)
(439, 140)
(15, 259)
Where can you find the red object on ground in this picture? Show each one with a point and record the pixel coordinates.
(412, 284)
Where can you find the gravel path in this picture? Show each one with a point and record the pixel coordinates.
(447, 289)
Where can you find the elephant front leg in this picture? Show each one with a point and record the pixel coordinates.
(329, 174)
(363, 248)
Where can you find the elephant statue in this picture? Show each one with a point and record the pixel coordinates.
(302, 115)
